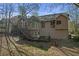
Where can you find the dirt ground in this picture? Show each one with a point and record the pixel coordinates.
(64, 48)
(14, 47)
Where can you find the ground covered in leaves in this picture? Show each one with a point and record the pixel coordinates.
(12, 46)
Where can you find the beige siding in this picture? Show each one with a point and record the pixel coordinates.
(46, 30)
(34, 30)
(31, 27)
(59, 32)
(64, 22)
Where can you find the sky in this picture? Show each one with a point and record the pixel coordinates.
(49, 8)
(45, 9)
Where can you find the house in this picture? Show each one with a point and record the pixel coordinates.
(53, 25)
(33, 25)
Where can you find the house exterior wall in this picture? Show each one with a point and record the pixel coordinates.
(46, 30)
(64, 22)
(59, 32)
(34, 28)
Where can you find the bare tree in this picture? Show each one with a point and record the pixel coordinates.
(8, 13)
(24, 10)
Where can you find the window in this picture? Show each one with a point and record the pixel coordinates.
(58, 22)
(53, 24)
(42, 24)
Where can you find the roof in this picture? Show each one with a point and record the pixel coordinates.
(52, 16)
(34, 18)
(40, 18)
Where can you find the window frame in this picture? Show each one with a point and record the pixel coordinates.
(58, 22)
(52, 23)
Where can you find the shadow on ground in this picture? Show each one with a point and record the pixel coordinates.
(47, 45)
(68, 47)
(41, 45)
